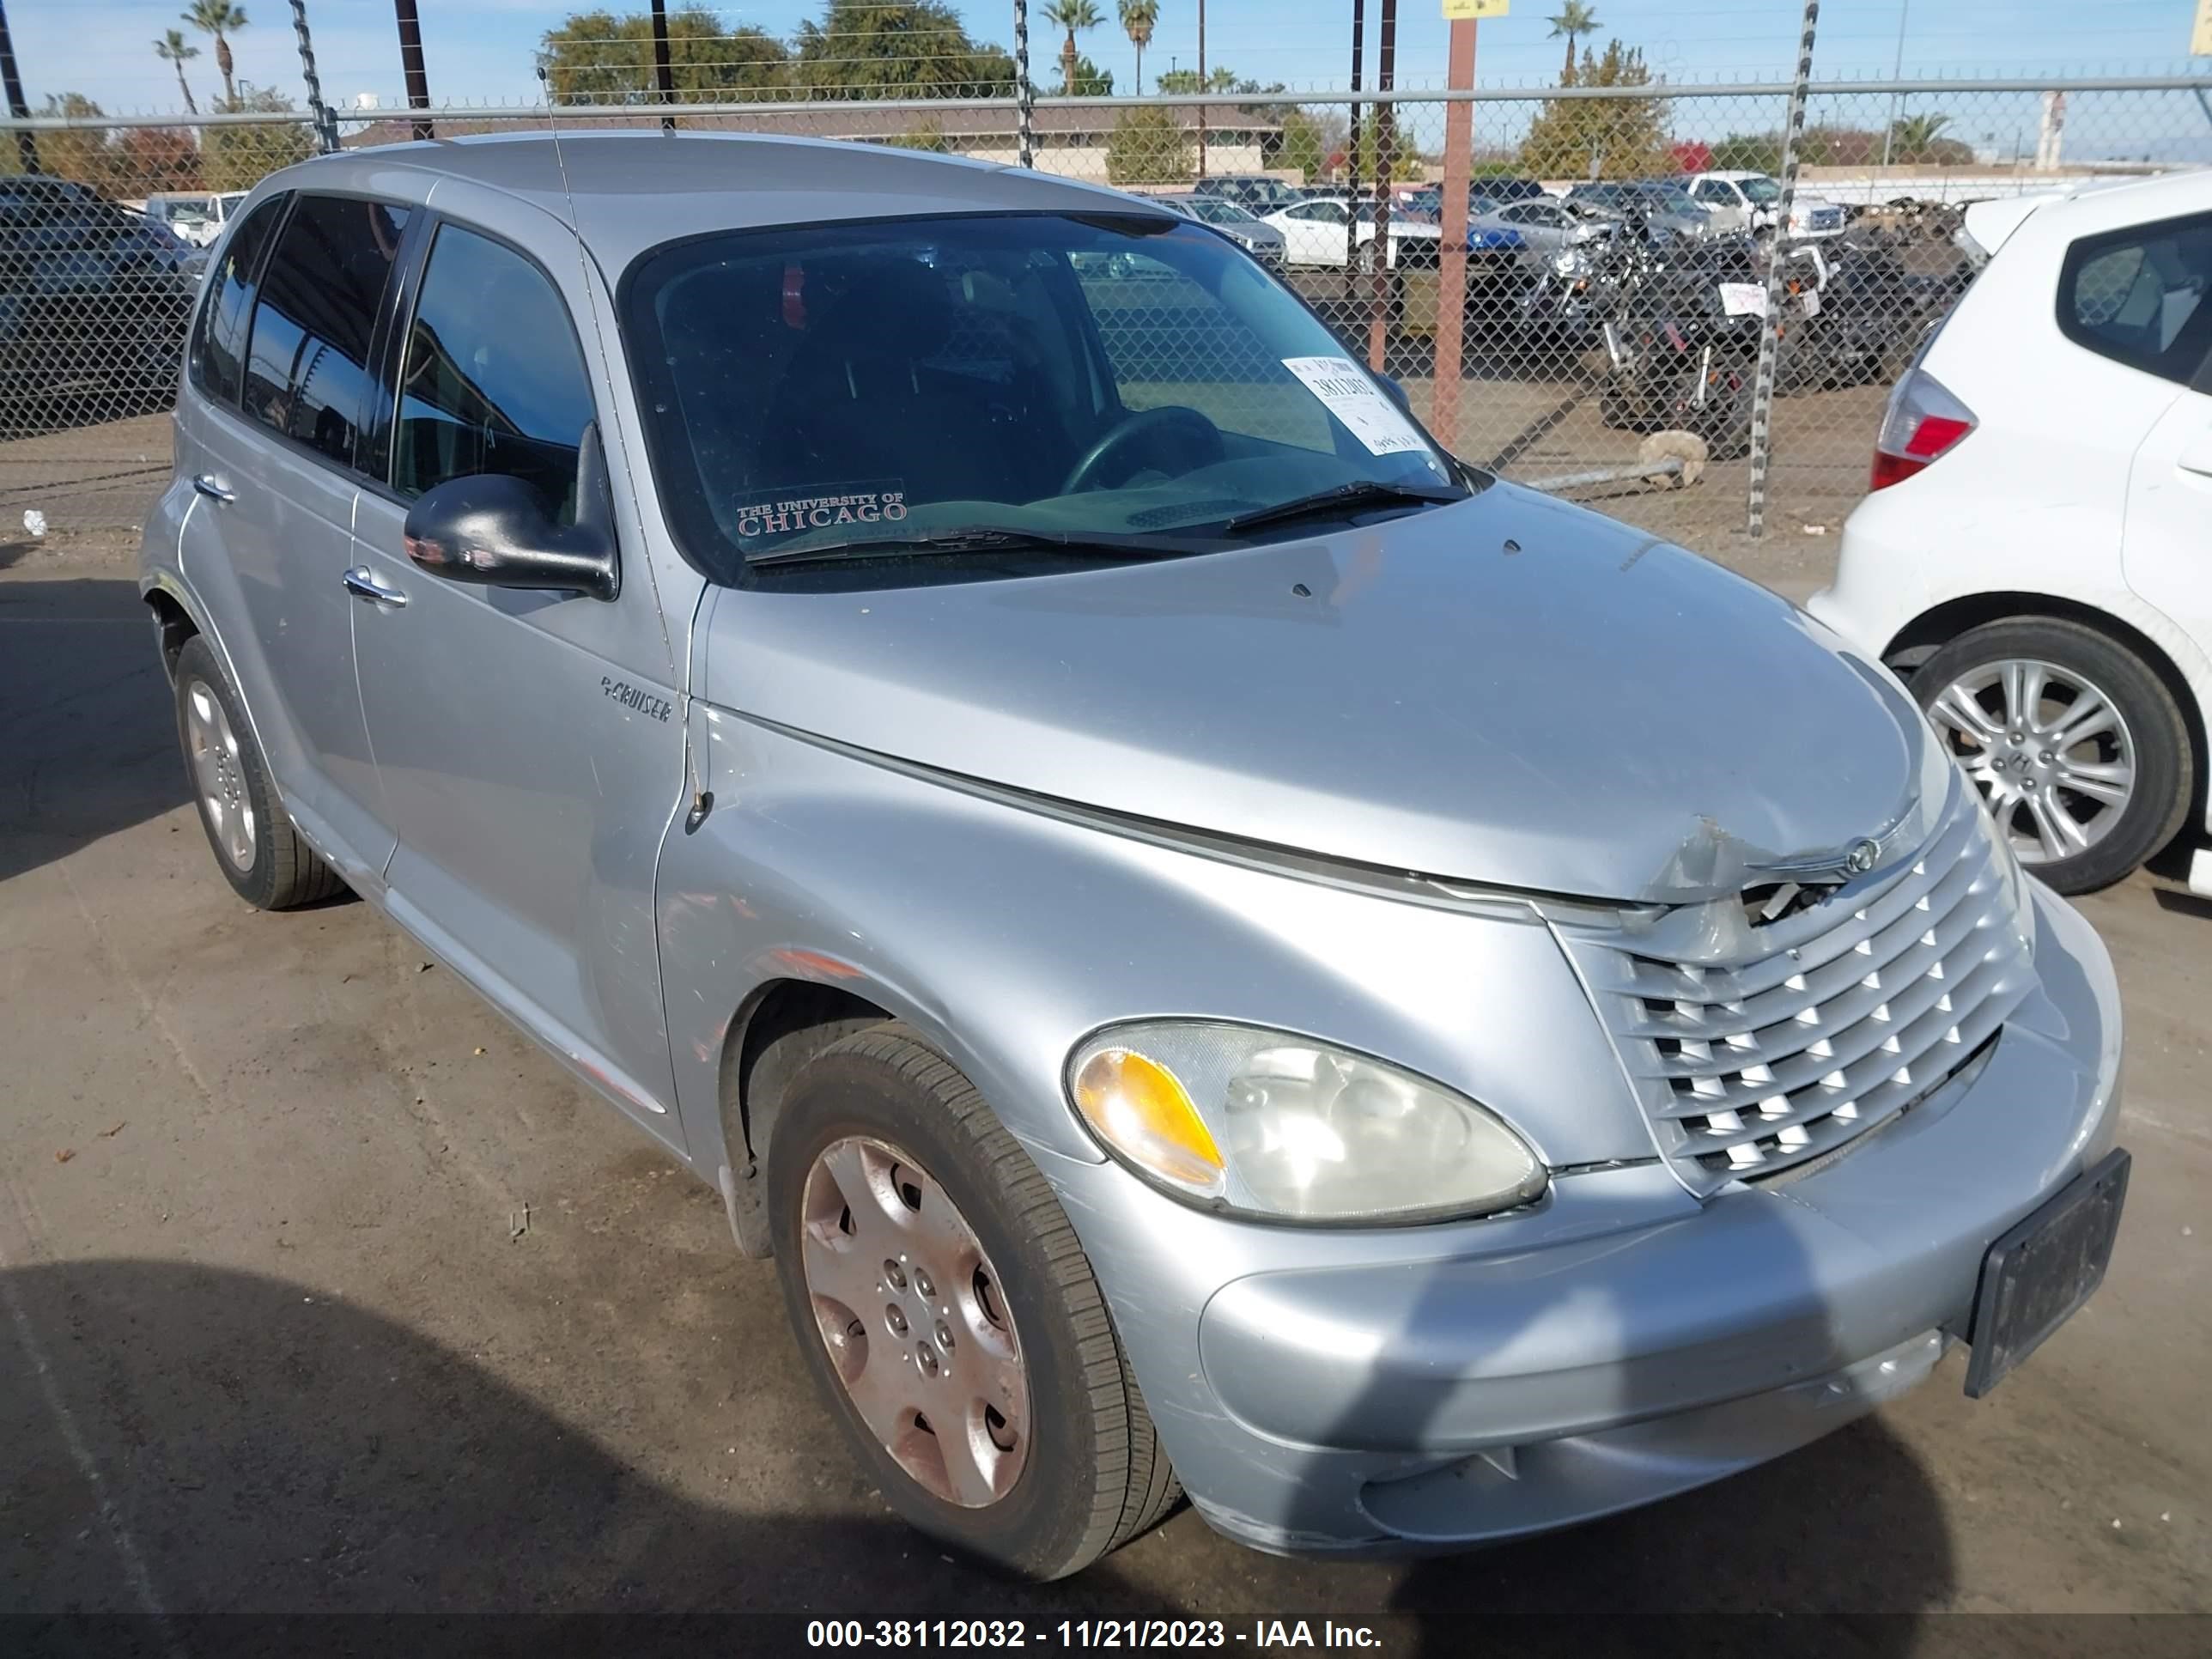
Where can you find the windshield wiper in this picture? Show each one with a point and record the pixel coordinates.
(1361, 492)
(980, 538)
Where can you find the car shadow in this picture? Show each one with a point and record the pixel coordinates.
(282, 1471)
(279, 1471)
(92, 747)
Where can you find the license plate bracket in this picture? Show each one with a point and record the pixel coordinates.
(2040, 1272)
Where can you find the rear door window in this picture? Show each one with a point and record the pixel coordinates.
(493, 380)
(307, 371)
(2139, 296)
(218, 351)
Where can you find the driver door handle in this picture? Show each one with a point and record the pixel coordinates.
(365, 584)
(206, 484)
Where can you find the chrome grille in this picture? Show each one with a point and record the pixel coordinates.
(1823, 1024)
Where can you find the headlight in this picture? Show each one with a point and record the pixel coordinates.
(1266, 1124)
(1569, 262)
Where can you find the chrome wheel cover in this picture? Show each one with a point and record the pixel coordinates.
(914, 1321)
(219, 774)
(2049, 751)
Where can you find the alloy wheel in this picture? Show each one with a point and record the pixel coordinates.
(915, 1321)
(219, 774)
(2049, 751)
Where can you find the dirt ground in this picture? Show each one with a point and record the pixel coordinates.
(320, 1291)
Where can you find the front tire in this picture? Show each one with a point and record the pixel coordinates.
(259, 853)
(946, 1310)
(2078, 747)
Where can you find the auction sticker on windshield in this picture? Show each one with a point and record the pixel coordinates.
(1743, 298)
(1359, 403)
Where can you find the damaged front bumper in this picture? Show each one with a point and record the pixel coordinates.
(1432, 1388)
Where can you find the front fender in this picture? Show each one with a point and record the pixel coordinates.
(1005, 935)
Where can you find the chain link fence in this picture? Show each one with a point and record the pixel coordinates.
(1594, 325)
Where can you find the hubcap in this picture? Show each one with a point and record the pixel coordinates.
(2049, 751)
(219, 775)
(916, 1325)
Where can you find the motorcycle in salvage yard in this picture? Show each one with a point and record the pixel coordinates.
(1683, 343)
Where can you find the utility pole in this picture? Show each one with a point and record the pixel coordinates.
(1451, 263)
(664, 82)
(411, 65)
(27, 143)
(1201, 88)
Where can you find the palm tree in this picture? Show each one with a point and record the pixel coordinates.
(1574, 19)
(1069, 14)
(172, 49)
(1915, 135)
(222, 19)
(1138, 19)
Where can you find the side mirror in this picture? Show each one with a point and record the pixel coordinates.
(497, 530)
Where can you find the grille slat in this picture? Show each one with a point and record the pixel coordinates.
(1906, 988)
(1837, 1017)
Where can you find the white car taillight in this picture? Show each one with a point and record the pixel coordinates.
(1923, 424)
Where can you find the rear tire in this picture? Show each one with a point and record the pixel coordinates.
(256, 847)
(1071, 1469)
(2149, 741)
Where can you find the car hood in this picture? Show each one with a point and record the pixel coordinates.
(1508, 691)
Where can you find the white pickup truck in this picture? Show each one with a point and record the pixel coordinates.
(1749, 200)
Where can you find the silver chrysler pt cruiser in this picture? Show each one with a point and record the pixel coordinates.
(1221, 950)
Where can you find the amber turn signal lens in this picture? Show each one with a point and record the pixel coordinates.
(1141, 1110)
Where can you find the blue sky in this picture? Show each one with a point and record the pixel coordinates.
(480, 50)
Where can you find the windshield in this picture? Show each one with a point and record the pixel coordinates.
(1666, 198)
(1130, 378)
(1761, 190)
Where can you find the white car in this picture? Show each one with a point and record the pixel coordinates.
(197, 216)
(1313, 233)
(1740, 200)
(2037, 551)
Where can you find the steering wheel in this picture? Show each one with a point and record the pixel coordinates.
(1145, 423)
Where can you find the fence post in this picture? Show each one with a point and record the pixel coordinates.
(1762, 385)
(26, 143)
(1383, 287)
(326, 126)
(1024, 88)
(1352, 153)
(664, 80)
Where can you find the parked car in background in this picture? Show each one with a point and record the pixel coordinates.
(93, 299)
(1745, 201)
(197, 216)
(1263, 241)
(1035, 860)
(2034, 550)
(1260, 192)
(1546, 227)
(1662, 207)
(1313, 234)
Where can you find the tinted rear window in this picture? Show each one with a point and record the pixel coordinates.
(219, 342)
(307, 371)
(2139, 297)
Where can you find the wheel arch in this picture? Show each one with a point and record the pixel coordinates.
(1937, 627)
(173, 624)
(780, 1025)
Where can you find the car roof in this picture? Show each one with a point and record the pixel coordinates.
(2089, 205)
(627, 191)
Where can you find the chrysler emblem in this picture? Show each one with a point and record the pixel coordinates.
(1860, 858)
